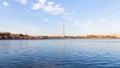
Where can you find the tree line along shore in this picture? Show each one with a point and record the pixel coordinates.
(8, 35)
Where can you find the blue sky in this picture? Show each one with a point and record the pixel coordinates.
(44, 17)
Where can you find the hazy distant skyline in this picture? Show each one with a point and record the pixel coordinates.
(44, 17)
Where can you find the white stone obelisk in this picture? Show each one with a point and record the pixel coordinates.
(63, 31)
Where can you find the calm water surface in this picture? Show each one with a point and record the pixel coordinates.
(77, 53)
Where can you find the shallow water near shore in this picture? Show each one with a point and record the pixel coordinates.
(58, 53)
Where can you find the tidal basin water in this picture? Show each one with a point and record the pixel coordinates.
(58, 53)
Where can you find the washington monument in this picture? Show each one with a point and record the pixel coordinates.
(63, 31)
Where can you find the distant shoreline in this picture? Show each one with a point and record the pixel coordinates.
(62, 39)
(11, 36)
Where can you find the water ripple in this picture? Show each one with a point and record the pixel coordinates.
(60, 53)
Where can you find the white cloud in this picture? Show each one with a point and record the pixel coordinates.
(5, 4)
(38, 5)
(48, 7)
(50, 3)
(42, 1)
(53, 9)
(45, 20)
(22, 1)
